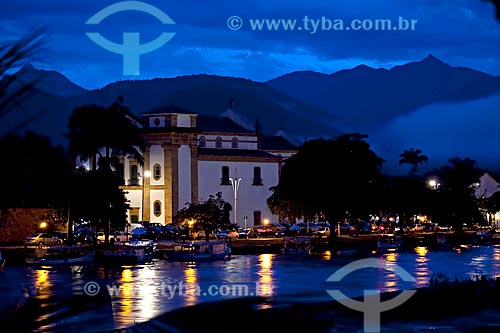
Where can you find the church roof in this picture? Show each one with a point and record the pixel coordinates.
(272, 143)
(234, 152)
(219, 124)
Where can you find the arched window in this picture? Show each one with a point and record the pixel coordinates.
(157, 208)
(225, 176)
(157, 172)
(202, 142)
(218, 142)
(234, 143)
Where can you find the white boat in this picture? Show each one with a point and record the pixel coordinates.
(297, 245)
(198, 251)
(389, 241)
(130, 252)
(61, 255)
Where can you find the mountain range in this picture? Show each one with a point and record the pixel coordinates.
(392, 106)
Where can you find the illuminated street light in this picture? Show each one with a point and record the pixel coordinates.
(433, 184)
(43, 225)
(235, 182)
(147, 174)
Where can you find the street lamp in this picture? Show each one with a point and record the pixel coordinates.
(433, 184)
(235, 182)
(146, 174)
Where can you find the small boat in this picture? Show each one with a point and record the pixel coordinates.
(389, 241)
(297, 245)
(482, 238)
(130, 252)
(193, 251)
(61, 255)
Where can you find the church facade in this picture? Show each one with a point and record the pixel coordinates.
(189, 157)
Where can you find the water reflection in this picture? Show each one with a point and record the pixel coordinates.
(421, 272)
(141, 296)
(387, 276)
(192, 286)
(43, 284)
(265, 283)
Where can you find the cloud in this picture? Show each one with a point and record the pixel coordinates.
(443, 131)
(461, 32)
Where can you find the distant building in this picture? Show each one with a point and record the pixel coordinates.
(484, 189)
(190, 157)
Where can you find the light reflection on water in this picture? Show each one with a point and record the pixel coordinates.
(144, 290)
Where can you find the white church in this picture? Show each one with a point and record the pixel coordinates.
(189, 157)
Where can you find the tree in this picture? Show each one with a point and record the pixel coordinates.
(456, 203)
(102, 135)
(413, 157)
(209, 215)
(311, 186)
(33, 171)
(96, 196)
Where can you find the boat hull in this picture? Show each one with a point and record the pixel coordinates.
(198, 251)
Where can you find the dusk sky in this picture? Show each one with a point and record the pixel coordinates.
(459, 32)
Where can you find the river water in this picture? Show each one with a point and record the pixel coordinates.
(140, 293)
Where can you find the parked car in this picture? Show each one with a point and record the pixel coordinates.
(121, 236)
(62, 235)
(41, 238)
(322, 232)
(247, 233)
(227, 234)
(266, 232)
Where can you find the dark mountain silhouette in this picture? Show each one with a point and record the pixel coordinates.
(426, 104)
(51, 82)
(366, 97)
(49, 110)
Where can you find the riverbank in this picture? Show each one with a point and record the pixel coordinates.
(15, 255)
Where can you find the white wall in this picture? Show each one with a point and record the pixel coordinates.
(183, 120)
(156, 156)
(184, 175)
(250, 198)
(154, 196)
(135, 198)
(244, 142)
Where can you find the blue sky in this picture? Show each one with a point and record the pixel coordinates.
(459, 32)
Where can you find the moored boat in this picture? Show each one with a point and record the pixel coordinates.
(198, 251)
(130, 252)
(297, 245)
(389, 241)
(61, 255)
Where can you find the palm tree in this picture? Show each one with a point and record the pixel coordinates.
(102, 134)
(412, 157)
(97, 133)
